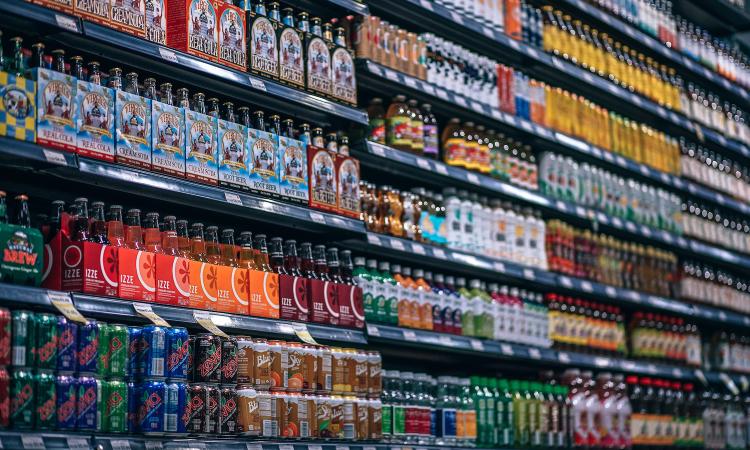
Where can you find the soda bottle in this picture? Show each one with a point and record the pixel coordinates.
(291, 260)
(134, 232)
(261, 253)
(115, 229)
(23, 216)
(307, 263)
(390, 285)
(197, 243)
(439, 299)
(99, 224)
(404, 296)
(378, 292)
(376, 113)
(213, 250)
(247, 253)
(277, 256)
(321, 266)
(333, 263)
(152, 235)
(183, 238)
(364, 280)
(480, 403)
(423, 305)
(54, 220)
(228, 248)
(169, 240)
(505, 414)
(457, 307)
(398, 124)
(80, 222)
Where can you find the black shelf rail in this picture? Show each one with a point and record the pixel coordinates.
(112, 309)
(720, 17)
(481, 266)
(533, 60)
(166, 62)
(107, 175)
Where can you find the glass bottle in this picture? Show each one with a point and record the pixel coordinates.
(149, 88)
(430, 133)
(80, 223)
(416, 122)
(398, 124)
(94, 72)
(228, 248)
(377, 127)
(277, 255)
(114, 80)
(134, 232)
(291, 259)
(307, 263)
(23, 216)
(131, 83)
(213, 249)
(183, 238)
(197, 243)
(152, 235)
(261, 253)
(165, 94)
(321, 265)
(169, 240)
(99, 224)
(247, 253)
(115, 229)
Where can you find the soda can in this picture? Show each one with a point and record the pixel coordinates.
(133, 396)
(175, 407)
(178, 350)
(190, 357)
(151, 359)
(207, 358)
(45, 400)
(115, 349)
(67, 337)
(88, 348)
(197, 407)
(115, 405)
(4, 397)
(23, 338)
(22, 399)
(213, 412)
(151, 407)
(46, 341)
(229, 361)
(5, 336)
(228, 410)
(102, 351)
(88, 411)
(66, 387)
(135, 350)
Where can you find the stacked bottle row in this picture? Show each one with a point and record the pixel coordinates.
(665, 339)
(712, 225)
(729, 351)
(586, 327)
(607, 260)
(563, 178)
(458, 220)
(704, 284)
(404, 126)
(710, 110)
(658, 20)
(397, 295)
(714, 170)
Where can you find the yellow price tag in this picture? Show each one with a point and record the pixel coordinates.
(64, 303)
(148, 312)
(204, 319)
(304, 334)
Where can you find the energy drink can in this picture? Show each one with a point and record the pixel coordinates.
(67, 346)
(133, 396)
(135, 350)
(45, 345)
(115, 406)
(229, 361)
(23, 338)
(45, 400)
(88, 410)
(207, 359)
(66, 387)
(190, 357)
(151, 360)
(228, 410)
(213, 410)
(177, 353)
(197, 407)
(88, 348)
(176, 405)
(151, 404)
(22, 398)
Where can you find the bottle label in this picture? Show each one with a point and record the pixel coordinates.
(399, 420)
(447, 422)
(455, 152)
(377, 131)
(431, 141)
(398, 131)
(387, 420)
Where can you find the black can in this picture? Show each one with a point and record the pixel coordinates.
(191, 355)
(228, 410)
(229, 361)
(196, 410)
(213, 409)
(207, 360)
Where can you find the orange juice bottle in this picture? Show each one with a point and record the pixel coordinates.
(424, 305)
(152, 234)
(247, 254)
(134, 232)
(183, 238)
(169, 240)
(405, 293)
(213, 251)
(115, 229)
(197, 244)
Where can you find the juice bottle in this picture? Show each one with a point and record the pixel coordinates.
(431, 134)
(228, 248)
(376, 113)
(98, 224)
(416, 121)
(183, 238)
(431, 299)
(454, 143)
(260, 251)
(197, 244)
(483, 150)
(364, 280)
(520, 414)
(471, 146)
(213, 250)
(458, 306)
(247, 253)
(577, 404)
(152, 235)
(133, 232)
(607, 399)
(405, 294)
(439, 294)
(532, 409)
(80, 222)
(398, 124)
(422, 308)
(480, 403)
(391, 291)
(505, 414)
(467, 318)
(169, 241)
(379, 292)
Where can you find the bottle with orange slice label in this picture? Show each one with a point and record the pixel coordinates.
(264, 283)
(233, 282)
(197, 256)
(172, 270)
(136, 265)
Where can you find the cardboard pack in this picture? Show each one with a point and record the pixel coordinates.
(291, 57)
(22, 259)
(17, 107)
(168, 139)
(56, 112)
(343, 77)
(192, 27)
(128, 16)
(95, 121)
(232, 37)
(263, 49)
(293, 298)
(323, 178)
(264, 294)
(351, 309)
(137, 271)
(263, 153)
(201, 148)
(156, 21)
(133, 129)
(96, 11)
(293, 176)
(65, 6)
(172, 280)
(347, 194)
(233, 155)
(233, 290)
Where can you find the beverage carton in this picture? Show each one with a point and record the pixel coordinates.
(96, 11)
(192, 27)
(172, 280)
(22, 261)
(156, 22)
(201, 148)
(293, 180)
(323, 179)
(17, 107)
(347, 193)
(351, 309)
(263, 152)
(168, 139)
(133, 129)
(128, 16)
(95, 110)
(264, 294)
(323, 301)
(344, 80)
(318, 66)
(293, 298)
(233, 155)
(56, 112)
(232, 38)
(89, 267)
(209, 275)
(291, 57)
(53, 253)
(65, 6)
(233, 290)
(263, 50)
(137, 269)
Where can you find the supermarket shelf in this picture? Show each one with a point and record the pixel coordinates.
(390, 79)
(480, 266)
(525, 354)
(193, 71)
(532, 60)
(106, 308)
(335, 7)
(720, 18)
(380, 156)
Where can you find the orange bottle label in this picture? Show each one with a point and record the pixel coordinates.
(137, 271)
(264, 294)
(233, 289)
(198, 298)
(172, 280)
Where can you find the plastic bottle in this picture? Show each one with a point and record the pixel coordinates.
(391, 293)
(453, 218)
(398, 124)
(431, 134)
(454, 143)
(377, 127)
(423, 305)
(416, 120)
(467, 318)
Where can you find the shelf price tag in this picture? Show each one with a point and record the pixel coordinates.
(423, 164)
(426, 4)
(677, 373)
(460, 101)
(410, 336)
(373, 240)
(66, 22)
(342, 447)
(168, 55)
(54, 157)
(286, 447)
(446, 340)
(473, 178)
(317, 217)
(203, 318)
(146, 311)
(498, 266)
(64, 303)
(700, 376)
(397, 245)
(120, 444)
(729, 383)
(534, 353)
(563, 358)
(476, 345)
(154, 445)
(77, 443)
(457, 18)
(32, 442)
(586, 286)
(233, 198)
(372, 330)
(488, 32)
(439, 253)
(529, 274)
(303, 334)
(257, 84)
(411, 82)
(441, 169)
(441, 94)
(506, 349)
(314, 447)
(601, 362)
(417, 248)
(566, 282)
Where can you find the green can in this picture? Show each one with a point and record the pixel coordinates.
(23, 338)
(115, 404)
(22, 399)
(45, 400)
(103, 365)
(45, 347)
(116, 336)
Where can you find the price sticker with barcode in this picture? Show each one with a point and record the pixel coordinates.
(372, 330)
(168, 55)
(498, 266)
(286, 447)
(456, 17)
(64, 303)
(54, 157)
(426, 4)
(373, 240)
(439, 253)
(258, 84)
(441, 169)
(233, 198)
(473, 178)
(203, 318)
(529, 274)
(610, 291)
(566, 282)
(147, 311)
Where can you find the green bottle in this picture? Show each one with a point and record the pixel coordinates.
(495, 423)
(378, 291)
(490, 400)
(538, 432)
(390, 291)
(521, 412)
(467, 317)
(505, 417)
(363, 279)
(480, 405)
(481, 303)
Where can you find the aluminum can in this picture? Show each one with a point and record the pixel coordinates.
(207, 361)
(4, 397)
(151, 361)
(190, 358)
(22, 399)
(115, 406)
(151, 404)
(175, 407)
(133, 395)
(66, 387)
(178, 350)
(88, 348)
(88, 407)
(5, 336)
(196, 409)
(67, 345)
(213, 409)
(135, 349)
(45, 346)
(22, 338)
(228, 410)
(45, 400)
(113, 350)
(229, 361)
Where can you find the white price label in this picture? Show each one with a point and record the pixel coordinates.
(441, 93)
(441, 169)
(373, 240)
(120, 444)
(314, 447)
(286, 447)
(636, 297)
(473, 178)
(608, 156)
(203, 318)
(488, 32)
(566, 282)
(529, 274)
(630, 226)
(677, 373)
(651, 369)
(637, 100)
(417, 248)
(446, 341)
(586, 286)
(498, 266)
(317, 217)
(439, 253)
(514, 44)
(253, 446)
(32, 442)
(429, 90)
(64, 303)
(372, 330)
(722, 316)
(147, 311)
(457, 18)
(476, 345)
(377, 150)
(77, 443)
(506, 349)
(423, 164)
(617, 222)
(168, 55)
(54, 157)
(426, 4)
(700, 376)
(258, 84)
(644, 170)
(534, 353)
(497, 115)
(610, 291)
(411, 82)
(664, 177)
(476, 106)
(601, 362)
(342, 447)
(397, 245)
(531, 52)
(563, 358)
(460, 101)
(66, 22)
(410, 336)
(233, 198)
(645, 231)
(561, 206)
